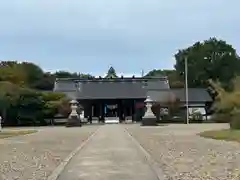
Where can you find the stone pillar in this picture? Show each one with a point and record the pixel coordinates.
(149, 118)
(73, 119)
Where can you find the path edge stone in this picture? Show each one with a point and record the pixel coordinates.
(152, 163)
(57, 171)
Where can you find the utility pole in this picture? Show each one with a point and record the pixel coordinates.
(186, 88)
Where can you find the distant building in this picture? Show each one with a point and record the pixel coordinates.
(107, 97)
(120, 97)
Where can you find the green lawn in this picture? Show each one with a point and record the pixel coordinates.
(224, 134)
(11, 133)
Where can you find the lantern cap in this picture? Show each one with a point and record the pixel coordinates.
(73, 101)
(148, 99)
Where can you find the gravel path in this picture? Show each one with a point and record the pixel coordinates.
(183, 155)
(35, 156)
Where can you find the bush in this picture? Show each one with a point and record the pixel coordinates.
(222, 118)
(227, 104)
(235, 121)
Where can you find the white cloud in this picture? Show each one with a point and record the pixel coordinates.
(77, 34)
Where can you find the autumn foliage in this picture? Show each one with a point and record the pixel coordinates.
(227, 104)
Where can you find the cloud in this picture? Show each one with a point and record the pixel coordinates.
(130, 35)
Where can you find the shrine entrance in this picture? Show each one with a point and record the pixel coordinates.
(111, 110)
(123, 109)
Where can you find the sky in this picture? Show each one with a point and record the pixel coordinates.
(89, 36)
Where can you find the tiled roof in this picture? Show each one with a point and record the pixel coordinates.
(110, 88)
(106, 90)
(194, 95)
(65, 86)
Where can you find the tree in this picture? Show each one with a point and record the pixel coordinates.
(25, 73)
(52, 102)
(34, 72)
(12, 72)
(21, 102)
(65, 74)
(64, 108)
(9, 93)
(211, 59)
(82, 75)
(30, 106)
(46, 83)
(111, 73)
(173, 78)
(227, 104)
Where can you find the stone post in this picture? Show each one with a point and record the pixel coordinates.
(73, 119)
(149, 119)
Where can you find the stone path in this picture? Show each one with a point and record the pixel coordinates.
(35, 156)
(110, 154)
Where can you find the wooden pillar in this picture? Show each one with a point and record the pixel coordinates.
(124, 108)
(120, 111)
(133, 110)
(100, 112)
(90, 112)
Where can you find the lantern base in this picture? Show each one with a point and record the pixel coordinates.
(73, 121)
(149, 121)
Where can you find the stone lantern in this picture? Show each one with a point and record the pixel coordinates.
(149, 119)
(73, 118)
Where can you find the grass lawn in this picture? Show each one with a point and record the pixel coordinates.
(224, 134)
(11, 133)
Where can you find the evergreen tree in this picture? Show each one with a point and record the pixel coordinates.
(111, 73)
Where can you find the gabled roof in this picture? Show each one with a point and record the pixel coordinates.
(106, 90)
(65, 86)
(97, 79)
(194, 95)
(116, 88)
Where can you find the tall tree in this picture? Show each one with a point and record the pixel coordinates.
(11, 71)
(46, 83)
(173, 78)
(211, 59)
(9, 94)
(111, 73)
(66, 74)
(34, 72)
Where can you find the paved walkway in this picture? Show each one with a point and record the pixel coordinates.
(110, 154)
(35, 156)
